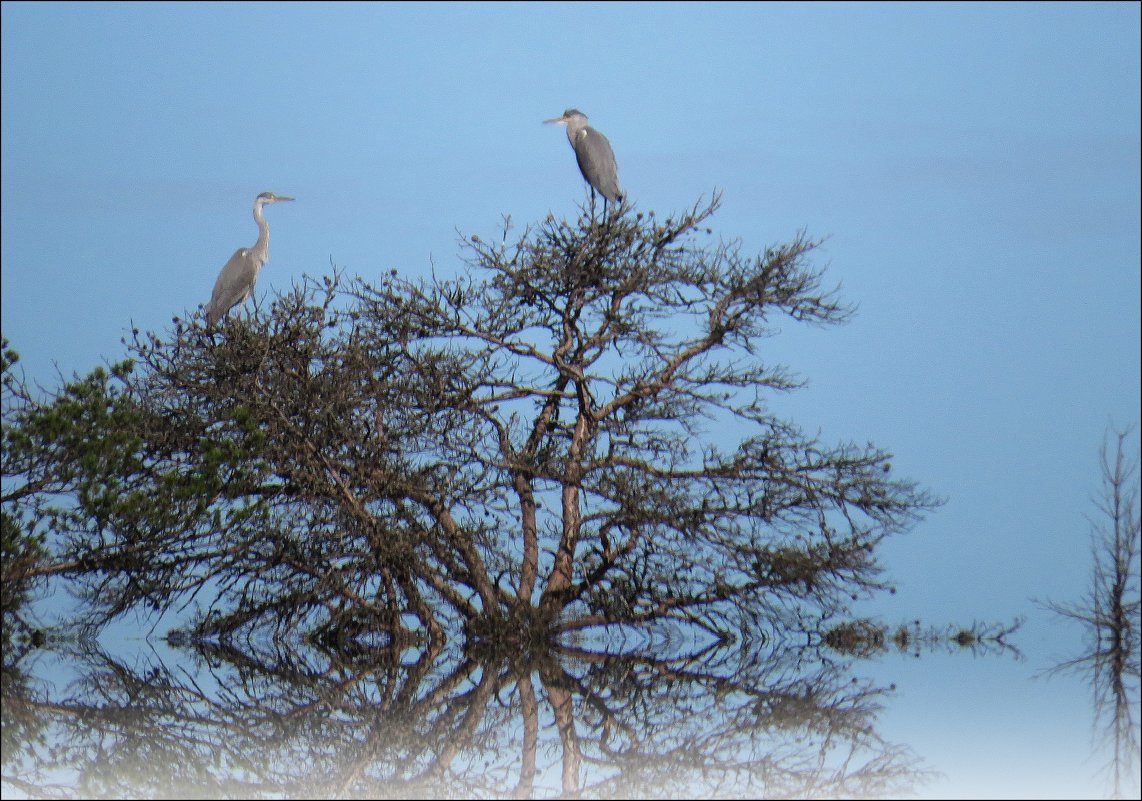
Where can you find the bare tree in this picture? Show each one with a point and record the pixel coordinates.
(1110, 612)
(573, 431)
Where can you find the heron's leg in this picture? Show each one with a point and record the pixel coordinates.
(250, 305)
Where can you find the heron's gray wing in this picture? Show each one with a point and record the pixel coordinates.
(235, 283)
(597, 163)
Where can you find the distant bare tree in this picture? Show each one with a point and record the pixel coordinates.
(1111, 613)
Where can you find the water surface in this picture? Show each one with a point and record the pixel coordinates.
(647, 715)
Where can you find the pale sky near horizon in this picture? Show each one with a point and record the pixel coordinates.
(975, 169)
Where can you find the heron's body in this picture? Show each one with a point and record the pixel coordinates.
(236, 282)
(593, 153)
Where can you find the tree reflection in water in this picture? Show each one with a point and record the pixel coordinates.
(1110, 615)
(717, 721)
(1113, 675)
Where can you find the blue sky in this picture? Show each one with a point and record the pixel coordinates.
(974, 167)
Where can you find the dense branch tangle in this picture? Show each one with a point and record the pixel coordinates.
(572, 432)
(595, 360)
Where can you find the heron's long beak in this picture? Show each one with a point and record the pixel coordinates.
(557, 121)
(282, 197)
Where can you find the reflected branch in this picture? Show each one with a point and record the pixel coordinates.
(1110, 614)
(771, 722)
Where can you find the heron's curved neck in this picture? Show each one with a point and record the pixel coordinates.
(262, 247)
(574, 126)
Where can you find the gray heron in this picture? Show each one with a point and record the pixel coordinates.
(236, 281)
(594, 154)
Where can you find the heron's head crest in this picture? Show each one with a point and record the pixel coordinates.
(270, 197)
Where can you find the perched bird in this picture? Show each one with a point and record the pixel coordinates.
(236, 281)
(594, 154)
